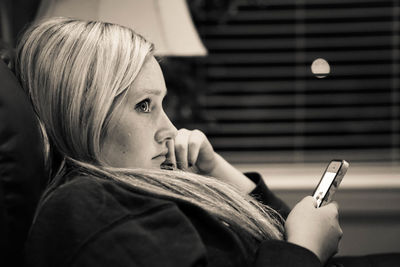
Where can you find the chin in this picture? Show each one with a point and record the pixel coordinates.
(155, 164)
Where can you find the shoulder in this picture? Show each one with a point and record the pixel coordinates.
(96, 195)
(84, 209)
(87, 200)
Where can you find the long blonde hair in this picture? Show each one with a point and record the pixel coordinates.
(76, 73)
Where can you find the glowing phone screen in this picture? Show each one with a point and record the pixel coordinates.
(323, 187)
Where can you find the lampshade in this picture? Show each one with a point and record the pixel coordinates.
(166, 23)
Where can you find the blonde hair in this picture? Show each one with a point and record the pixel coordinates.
(76, 73)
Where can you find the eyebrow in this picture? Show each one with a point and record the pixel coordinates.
(153, 91)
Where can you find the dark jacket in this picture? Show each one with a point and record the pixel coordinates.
(98, 222)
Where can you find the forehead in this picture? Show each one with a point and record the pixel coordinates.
(149, 80)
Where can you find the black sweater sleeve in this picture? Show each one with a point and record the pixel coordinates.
(281, 253)
(266, 196)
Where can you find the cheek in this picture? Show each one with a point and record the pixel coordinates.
(131, 142)
(134, 144)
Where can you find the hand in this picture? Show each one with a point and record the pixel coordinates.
(316, 229)
(191, 150)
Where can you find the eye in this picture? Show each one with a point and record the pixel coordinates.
(143, 106)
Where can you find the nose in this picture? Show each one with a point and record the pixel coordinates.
(166, 130)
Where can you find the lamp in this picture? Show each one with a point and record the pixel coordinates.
(166, 23)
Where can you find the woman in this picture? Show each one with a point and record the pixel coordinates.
(98, 91)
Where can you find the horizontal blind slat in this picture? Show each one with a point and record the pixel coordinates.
(285, 86)
(289, 58)
(375, 140)
(342, 127)
(292, 30)
(372, 98)
(283, 71)
(316, 155)
(311, 43)
(308, 114)
(290, 3)
(331, 13)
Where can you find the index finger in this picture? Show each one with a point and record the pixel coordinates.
(171, 153)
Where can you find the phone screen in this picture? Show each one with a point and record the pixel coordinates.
(330, 181)
(323, 187)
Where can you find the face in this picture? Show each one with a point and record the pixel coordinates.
(140, 129)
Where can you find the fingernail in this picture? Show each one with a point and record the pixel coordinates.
(167, 167)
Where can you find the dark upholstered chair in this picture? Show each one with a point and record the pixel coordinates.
(22, 172)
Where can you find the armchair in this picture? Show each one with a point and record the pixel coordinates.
(22, 169)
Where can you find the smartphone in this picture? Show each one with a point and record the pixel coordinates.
(330, 181)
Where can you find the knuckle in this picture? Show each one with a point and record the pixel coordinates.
(182, 132)
(340, 232)
(197, 131)
(199, 134)
(179, 147)
(340, 236)
(192, 145)
(335, 213)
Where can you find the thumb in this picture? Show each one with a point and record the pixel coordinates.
(312, 200)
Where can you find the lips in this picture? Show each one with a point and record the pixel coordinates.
(161, 155)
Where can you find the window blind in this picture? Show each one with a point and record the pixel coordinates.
(261, 102)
